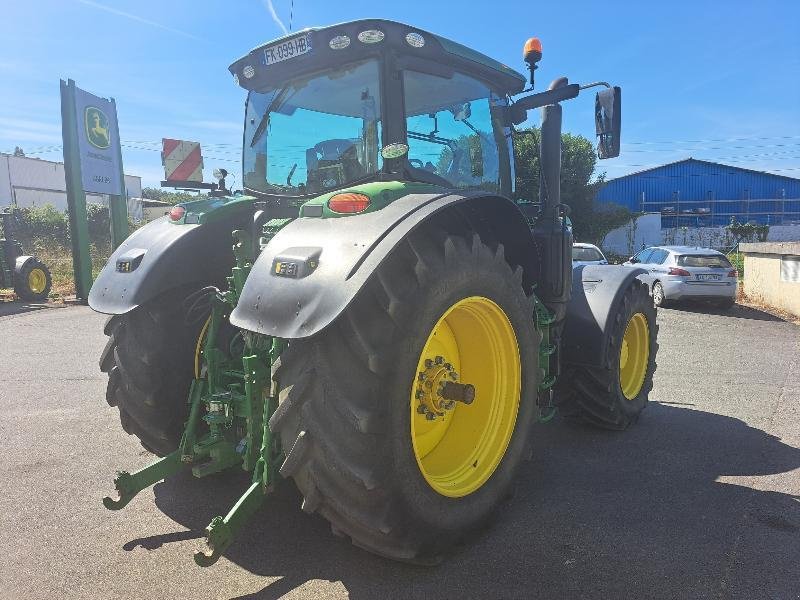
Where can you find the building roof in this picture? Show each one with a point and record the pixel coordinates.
(44, 160)
(700, 161)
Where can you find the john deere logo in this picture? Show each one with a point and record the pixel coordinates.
(97, 128)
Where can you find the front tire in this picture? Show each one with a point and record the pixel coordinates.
(348, 416)
(613, 396)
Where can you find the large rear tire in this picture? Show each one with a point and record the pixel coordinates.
(613, 397)
(349, 419)
(150, 361)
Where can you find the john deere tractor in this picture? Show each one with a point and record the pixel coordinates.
(374, 315)
(29, 277)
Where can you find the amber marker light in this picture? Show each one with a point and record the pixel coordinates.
(532, 51)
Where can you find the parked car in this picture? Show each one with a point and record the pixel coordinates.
(686, 273)
(587, 254)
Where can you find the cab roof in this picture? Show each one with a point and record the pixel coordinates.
(395, 36)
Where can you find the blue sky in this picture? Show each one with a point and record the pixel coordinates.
(714, 80)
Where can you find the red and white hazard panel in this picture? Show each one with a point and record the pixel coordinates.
(182, 160)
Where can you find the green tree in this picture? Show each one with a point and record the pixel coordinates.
(591, 220)
(172, 197)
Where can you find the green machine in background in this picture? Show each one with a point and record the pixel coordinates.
(29, 277)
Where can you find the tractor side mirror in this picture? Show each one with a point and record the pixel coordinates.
(608, 121)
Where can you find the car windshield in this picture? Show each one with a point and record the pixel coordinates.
(704, 260)
(579, 253)
(314, 134)
(450, 129)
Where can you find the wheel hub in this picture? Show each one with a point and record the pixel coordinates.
(438, 389)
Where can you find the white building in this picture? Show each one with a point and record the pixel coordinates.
(28, 181)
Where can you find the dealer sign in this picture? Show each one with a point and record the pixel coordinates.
(98, 144)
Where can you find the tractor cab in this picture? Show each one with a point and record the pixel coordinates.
(374, 100)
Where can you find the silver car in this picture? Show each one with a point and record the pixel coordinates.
(587, 254)
(687, 273)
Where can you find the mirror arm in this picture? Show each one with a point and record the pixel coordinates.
(520, 108)
(595, 84)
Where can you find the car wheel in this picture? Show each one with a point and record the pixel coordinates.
(658, 295)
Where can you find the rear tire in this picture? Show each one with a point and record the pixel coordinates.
(595, 394)
(345, 409)
(149, 359)
(33, 282)
(659, 300)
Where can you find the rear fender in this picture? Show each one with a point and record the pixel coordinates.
(20, 262)
(162, 256)
(597, 291)
(313, 268)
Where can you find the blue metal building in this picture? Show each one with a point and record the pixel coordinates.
(700, 193)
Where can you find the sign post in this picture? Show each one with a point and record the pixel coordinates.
(92, 163)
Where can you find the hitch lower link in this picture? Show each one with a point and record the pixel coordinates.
(232, 395)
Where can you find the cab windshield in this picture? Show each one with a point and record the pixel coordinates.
(314, 134)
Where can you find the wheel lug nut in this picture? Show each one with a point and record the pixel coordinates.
(421, 409)
(448, 366)
(428, 363)
(439, 360)
(422, 377)
(430, 416)
(419, 394)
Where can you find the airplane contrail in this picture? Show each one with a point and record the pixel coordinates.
(133, 17)
(275, 17)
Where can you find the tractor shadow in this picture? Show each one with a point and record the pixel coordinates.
(738, 311)
(17, 307)
(668, 509)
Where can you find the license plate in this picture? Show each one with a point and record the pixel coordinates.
(288, 49)
(708, 277)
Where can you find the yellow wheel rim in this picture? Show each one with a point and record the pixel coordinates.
(634, 355)
(37, 281)
(459, 449)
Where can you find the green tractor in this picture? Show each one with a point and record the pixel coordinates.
(29, 277)
(390, 323)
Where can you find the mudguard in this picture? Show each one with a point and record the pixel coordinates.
(313, 268)
(162, 256)
(597, 291)
(19, 264)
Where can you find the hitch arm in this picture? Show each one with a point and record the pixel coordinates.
(130, 484)
(221, 532)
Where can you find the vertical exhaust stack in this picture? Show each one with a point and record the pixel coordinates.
(552, 234)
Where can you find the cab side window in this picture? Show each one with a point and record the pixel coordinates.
(644, 255)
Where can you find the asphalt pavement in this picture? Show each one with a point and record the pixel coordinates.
(701, 499)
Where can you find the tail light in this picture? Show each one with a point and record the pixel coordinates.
(349, 203)
(176, 213)
(733, 273)
(679, 272)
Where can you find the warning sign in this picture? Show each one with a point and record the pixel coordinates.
(182, 160)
